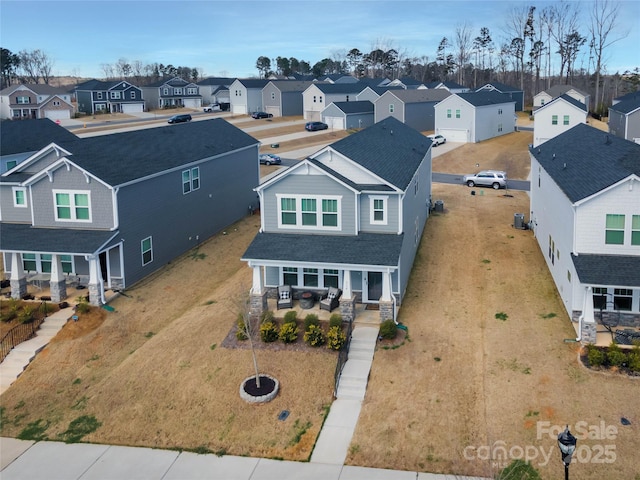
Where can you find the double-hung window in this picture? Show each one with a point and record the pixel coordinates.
(146, 247)
(635, 230)
(23, 100)
(72, 206)
(565, 120)
(190, 180)
(288, 211)
(308, 211)
(309, 215)
(554, 119)
(99, 95)
(329, 213)
(133, 94)
(614, 231)
(457, 113)
(448, 113)
(19, 197)
(378, 210)
(330, 278)
(622, 298)
(391, 107)
(290, 276)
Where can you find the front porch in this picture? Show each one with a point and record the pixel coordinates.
(362, 315)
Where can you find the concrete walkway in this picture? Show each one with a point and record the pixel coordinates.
(19, 358)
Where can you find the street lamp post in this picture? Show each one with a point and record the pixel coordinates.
(567, 445)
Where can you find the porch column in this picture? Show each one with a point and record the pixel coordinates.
(18, 277)
(347, 300)
(57, 284)
(257, 294)
(588, 328)
(95, 281)
(386, 302)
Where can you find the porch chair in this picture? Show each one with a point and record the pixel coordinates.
(285, 297)
(331, 299)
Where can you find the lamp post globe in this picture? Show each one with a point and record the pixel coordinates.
(567, 445)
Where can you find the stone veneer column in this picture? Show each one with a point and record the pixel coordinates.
(348, 309)
(386, 310)
(18, 277)
(58, 291)
(94, 294)
(588, 333)
(257, 304)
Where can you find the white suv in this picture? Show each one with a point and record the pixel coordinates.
(437, 139)
(487, 178)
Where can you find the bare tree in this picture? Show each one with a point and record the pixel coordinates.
(463, 44)
(36, 65)
(123, 67)
(563, 17)
(108, 71)
(604, 18)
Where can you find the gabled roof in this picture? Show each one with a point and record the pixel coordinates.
(618, 270)
(584, 161)
(172, 82)
(389, 149)
(101, 85)
(336, 77)
(423, 95)
(291, 85)
(362, 249)
(216, 81)
(362, 106)
(21, 136)
(253, 82)
(337, 88)
(627, 106)
(485, 97)
(38, 89)
(125, 157)
(408, 81)
(563, 98)
(500, 87)
(374, 82)
(558, 90)
(628, 96)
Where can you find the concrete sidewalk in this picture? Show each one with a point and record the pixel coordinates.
(19, 358)
(25, 460)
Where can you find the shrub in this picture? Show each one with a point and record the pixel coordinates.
(26, 314)
(45, 308)
(335, 320)
(291, 316)
(634, 359)
(595, 356)
(288, 332)
(241, 332)
(314, 336)
(336, 338)
(268, 332)
(519, 469)
(83, 306)
(311, 319)
(388, 330)
(266, 317)
(615, 356)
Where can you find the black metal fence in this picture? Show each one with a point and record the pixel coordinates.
(17, 335)
(343, 355)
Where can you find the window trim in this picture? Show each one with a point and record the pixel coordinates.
(612, 230)
(72, 205)
(318, 211)
(192, 182)
(391, 108)
(385, 209)
(14, 191)
(321, 274)
(635, 230)
(565, 120)
(144, 251)
(554, 119)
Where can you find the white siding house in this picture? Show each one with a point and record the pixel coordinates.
(585, 213)
(556, 117)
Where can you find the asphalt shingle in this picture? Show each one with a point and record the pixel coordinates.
(622, 270)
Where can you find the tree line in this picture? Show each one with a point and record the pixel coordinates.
(538, 48)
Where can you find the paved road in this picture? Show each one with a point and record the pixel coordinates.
(455, 178)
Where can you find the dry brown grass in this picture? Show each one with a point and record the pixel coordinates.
(155, 374)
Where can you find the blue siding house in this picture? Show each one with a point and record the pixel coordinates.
(97, 96)
(350, 217)
(109, 210)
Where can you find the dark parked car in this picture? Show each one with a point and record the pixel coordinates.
(181, 118)
(261, 115)
(313, 126)
(270, 159)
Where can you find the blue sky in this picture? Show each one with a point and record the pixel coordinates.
(225, 38)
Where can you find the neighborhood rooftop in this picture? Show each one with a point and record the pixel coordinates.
(32, 135)
(485, 97)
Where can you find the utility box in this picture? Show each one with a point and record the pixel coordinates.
(518, 221)
(439, 208)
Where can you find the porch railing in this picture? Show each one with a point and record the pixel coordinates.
(343, 355)
(17, 335)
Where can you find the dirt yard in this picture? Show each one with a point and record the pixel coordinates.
(485, 366)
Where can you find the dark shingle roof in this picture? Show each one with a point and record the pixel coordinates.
(97, 85)
(253, 82)
(362, 249)
(628, 96)
(174, 82)
(389, 149)
(558, 90)
(124, 157)
(362, 106)
(25, 238)
(485, 97)
(584, 160)
(31, 135)
(291, 85)
(567, 99)
(216, 81)
(340, 87)
(421, 95)
(617, 270)
(40, 89)
(627, 106)
(501, 87)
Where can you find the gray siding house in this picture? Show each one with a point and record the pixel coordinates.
(351, 216)
(97, 96)
(624, 119)
(412, 107)
(283, 98)
(245, 95)
(348, 115)
(109, 210)
(215, 89)
(174, 92)
(516, 94)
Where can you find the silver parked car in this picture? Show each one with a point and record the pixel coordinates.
(486, 178)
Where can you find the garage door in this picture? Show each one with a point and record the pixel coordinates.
(57, 114)
(240, 109)
(453, 135)
(335, 123)
(131, 108)
(275, 111)
(192, 102)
